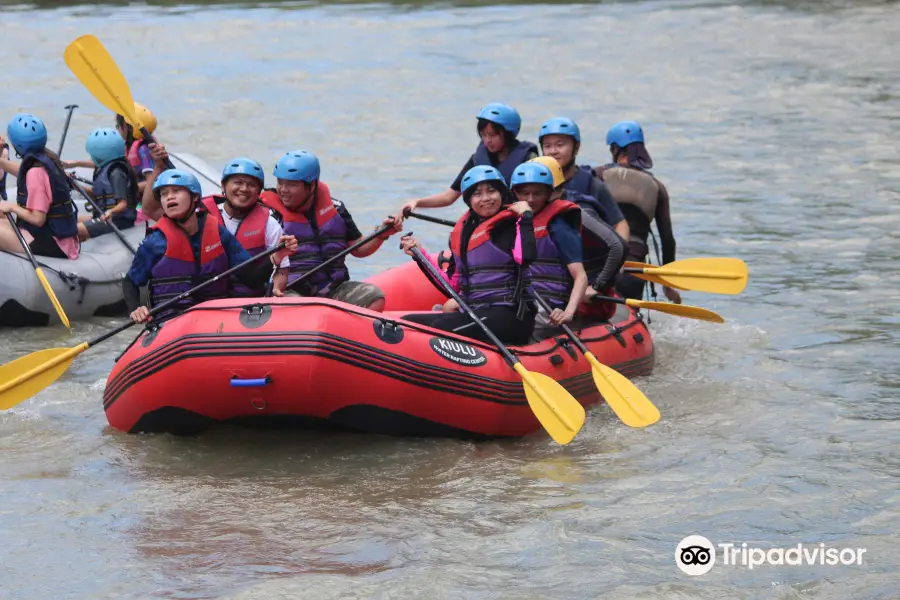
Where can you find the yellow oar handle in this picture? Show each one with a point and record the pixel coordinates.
(551, 404)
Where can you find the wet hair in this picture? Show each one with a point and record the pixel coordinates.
(505, 197)
(509, 140)
(637, 153)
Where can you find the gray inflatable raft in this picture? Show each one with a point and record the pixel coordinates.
(86, 287)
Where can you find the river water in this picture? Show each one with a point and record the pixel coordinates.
(774, 125)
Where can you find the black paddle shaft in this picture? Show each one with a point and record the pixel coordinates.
(22, 241)
(578, 343)
(380, 231)
(426, 264)
(109, 222)
(62, 142)
(152, 140)
(182, 296)
(437, 220)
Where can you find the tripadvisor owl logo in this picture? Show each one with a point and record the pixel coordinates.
(695, 555)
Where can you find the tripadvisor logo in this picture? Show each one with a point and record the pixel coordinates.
(696, 555)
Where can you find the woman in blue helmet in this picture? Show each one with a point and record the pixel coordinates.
(185, 247)
(492, 246)
(115, 186)
(43, 208)
(498, 126)
(245, 216)
(642, 198)
(560, 138)
(557, 273)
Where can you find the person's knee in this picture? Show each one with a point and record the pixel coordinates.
(377, 305)
(83, 233)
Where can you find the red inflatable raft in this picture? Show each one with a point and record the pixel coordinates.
(304, 362)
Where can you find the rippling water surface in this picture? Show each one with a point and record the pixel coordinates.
(774, 126)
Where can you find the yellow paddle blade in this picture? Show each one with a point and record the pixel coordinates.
(712, 275)
(98, 72)
(26, 376)
(681, 310)
(560, 414)
(623, 397)
(53, 299)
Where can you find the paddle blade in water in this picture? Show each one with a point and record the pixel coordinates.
(681, 310)
(53, 299)
(26, 376)
(98, 72)
(560, 413)
(623, 397)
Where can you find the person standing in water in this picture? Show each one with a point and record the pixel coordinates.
(498, 126)
(642, 198)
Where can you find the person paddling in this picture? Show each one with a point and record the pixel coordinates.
(245, 216)
(185, 247)
(492, 246)
(602, 249)
(557, 273)
(114, 187)
(498, 126)
(44, 209)
(642, 198)
(560, 139)
(323, 227)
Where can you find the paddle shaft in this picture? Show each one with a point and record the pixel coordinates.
(62, 142)
(109, 222)
(426, 264)
(195, 169)
(437, 220)
(575, 340)
(22, 241)
(182, 296)
(380, 231)
(663, 271)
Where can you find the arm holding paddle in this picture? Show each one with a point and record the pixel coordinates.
(374, 244)
(153, 248)
(149, 203)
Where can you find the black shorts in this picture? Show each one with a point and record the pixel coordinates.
(96, 227)
(44, 245)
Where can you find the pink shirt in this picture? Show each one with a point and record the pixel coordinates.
(39, 199)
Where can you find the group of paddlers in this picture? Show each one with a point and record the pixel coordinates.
(537, 223)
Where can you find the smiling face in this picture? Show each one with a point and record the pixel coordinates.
(176, 201)
(295, 195)
(560, 147)
(493, 138)
(486, 200)
(537, 195)
(242, 191)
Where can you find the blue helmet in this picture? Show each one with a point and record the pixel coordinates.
(560, 126)
(477, 175)
(531, 172)
(105, 145)
(244, 166)
(179, 178)
(503, 115)
(26, 133)
(298, 165)
(623, 133)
